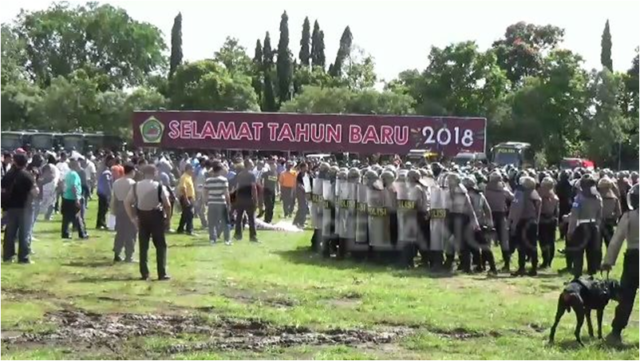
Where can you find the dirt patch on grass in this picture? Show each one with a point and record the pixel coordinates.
(80, 329)
(21, 294)
(248, 297)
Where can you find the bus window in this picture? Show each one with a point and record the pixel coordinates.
(505, 156)
(42, 141)
(11, 141)
(72, 142)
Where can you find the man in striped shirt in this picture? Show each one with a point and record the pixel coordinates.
(216, 192)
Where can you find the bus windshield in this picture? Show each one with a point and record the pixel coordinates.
(73, 142)
(505, 156)
(42, 141)
(11, 141)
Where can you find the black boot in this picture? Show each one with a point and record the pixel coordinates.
(437, 261)
(506, 257)
(448, 262)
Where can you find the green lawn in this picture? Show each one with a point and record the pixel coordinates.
(275, 300)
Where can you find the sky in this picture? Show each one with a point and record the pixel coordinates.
(398, 34)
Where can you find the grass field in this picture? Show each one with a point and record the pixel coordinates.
(275, 300)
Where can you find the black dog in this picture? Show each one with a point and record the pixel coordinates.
(584, 295)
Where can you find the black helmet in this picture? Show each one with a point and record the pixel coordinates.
(632, 197)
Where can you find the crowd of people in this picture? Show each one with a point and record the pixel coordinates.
(224, 195)
(364, 210)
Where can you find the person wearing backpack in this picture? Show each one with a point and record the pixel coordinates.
(18, 189)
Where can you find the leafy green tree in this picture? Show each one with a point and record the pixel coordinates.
(256, 79)
(176, 44)
(284, 65)
(554, 106)
(13, 57)
(71, 103)
(269, 98)
(318, 58)
(460, 80)
(359, 72)
(605, 44)
(207, 85)
(19, 101)
(344, 100)
(234, 57)
(305, 44)
(606, 130)
(316, 77)
(100, 39)
(344, 51)
(522, 50)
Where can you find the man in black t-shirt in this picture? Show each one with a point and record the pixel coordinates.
(246, 199)
(269, 184)
(18, 190)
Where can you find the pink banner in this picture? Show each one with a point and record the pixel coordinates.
(328, 133)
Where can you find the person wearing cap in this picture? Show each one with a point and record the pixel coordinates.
(148, 207)
(125, 230)
(71, 206)
(186, 196)
(18, 188)
(269, 181)
(287, 180)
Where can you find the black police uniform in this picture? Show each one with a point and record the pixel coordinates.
(629, 229)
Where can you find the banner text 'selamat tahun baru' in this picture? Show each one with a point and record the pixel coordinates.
(366, 134)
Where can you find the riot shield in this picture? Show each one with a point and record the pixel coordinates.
(361, 239)
(438, 213)
(408, 214)
(378, 220)
(328, 195)
(316, 203)
(342, 207)
(349, 214)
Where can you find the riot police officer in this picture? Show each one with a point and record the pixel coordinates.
(523, 219)
(583, 233)
(460, 219)
(548, 220)
(627, 229)
(499, 196)
(611, 210)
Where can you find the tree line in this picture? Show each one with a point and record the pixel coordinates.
(89, 66)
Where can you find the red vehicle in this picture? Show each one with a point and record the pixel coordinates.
(572, 163)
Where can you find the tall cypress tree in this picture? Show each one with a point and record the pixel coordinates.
(176, 44)
(605, 44)
(305, 43)
(283, 66)
(343, 52)
(256, 80)
(317, 46)
(269, 99)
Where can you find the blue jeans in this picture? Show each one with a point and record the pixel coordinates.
(218, 219)
(35, 210)
(18, 224)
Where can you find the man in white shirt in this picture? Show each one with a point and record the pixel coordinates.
(91, 171)
(125, 230)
